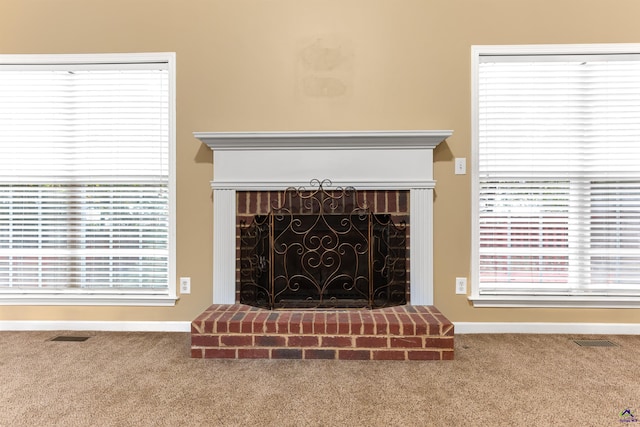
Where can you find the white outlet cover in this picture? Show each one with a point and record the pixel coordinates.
(461, 285)
(461, 165)
(185, 285)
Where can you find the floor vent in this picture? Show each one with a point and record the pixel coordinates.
(595, 343)
(70, 338)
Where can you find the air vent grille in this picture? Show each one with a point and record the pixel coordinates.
(595, 343)
(70, 338)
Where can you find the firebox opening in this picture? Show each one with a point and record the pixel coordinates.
(323, 249)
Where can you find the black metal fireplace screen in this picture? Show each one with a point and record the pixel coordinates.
(322, 248)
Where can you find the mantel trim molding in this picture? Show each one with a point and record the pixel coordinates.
(347, 140)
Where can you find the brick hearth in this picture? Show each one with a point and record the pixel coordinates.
(236, 331)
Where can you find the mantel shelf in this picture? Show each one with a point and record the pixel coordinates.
(318, 140)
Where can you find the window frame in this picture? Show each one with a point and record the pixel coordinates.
(116, 297)
(528, 300)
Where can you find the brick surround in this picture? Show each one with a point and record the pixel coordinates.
(236, 331)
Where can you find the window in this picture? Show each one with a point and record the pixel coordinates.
(556, 217)
(87, 183)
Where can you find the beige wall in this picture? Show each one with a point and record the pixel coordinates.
(253, 65)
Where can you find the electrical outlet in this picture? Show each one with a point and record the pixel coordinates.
(461, 285)
(461, 166)
(185, 285)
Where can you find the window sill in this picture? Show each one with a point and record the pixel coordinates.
(545, 301)
(87, 298)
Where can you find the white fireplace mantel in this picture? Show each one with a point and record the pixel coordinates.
(382, 160)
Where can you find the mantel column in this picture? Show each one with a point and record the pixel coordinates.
(224, 246)
(421, 246)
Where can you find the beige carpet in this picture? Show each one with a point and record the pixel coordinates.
(148, 379)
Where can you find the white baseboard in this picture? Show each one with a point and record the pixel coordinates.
(72, 325)
(546, 328)
(460, 327)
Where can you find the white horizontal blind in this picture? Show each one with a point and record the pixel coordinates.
(559, 175)
(84, 171)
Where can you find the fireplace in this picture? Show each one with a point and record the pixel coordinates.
(369, 318)
(371, 161)
(322, 247)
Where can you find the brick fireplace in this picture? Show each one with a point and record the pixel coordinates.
(390, 166)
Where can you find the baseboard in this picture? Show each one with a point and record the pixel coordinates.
(546, 328)
(72, 325)
(460, 327)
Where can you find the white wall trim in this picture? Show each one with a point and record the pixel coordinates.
(349, 140)
(556, 301)
(283, 185)
(546, 328)
(111, 326)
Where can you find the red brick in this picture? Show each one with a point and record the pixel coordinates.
(355, 320)
(403, 201)
(197, 353)
(236, 340)
(406, 342)
(236, 322)
(222, 323)
(372, 342)
(380, 202)
(220, 353)
(253, 353)
(447, 330)
(368, 324)
(303, 341)
(354, 354)
(247, 324)
(423, 355)
(392, 204)
(408, 328)
(196, 327)
(421, 327)
(388, 355)
(313, 353)
(319, 323)
(286, 353)
(241, 202)
(270, 341)
(439, 342)
(307, 323)
(331, 323)
(294, 323)
(282, 323)
(421, 309)
(258, 322)
(343, 323)
(394, 324)
(252, 203)
(271, 322)
(264, 201)
(381, 324)
(362, 199)
(448, 354)
(205, 340)
(336, 341)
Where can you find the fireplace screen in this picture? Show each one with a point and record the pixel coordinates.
(322, 248)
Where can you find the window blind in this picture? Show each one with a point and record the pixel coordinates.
(84, 173)
(558, 176)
